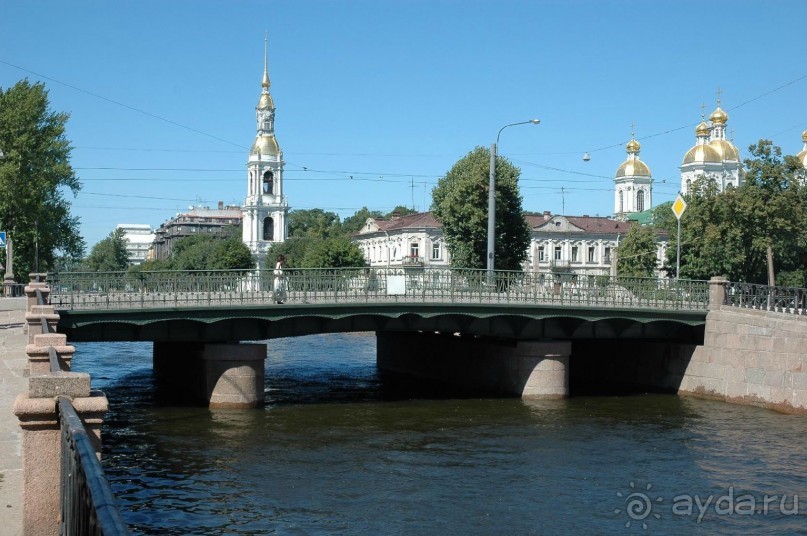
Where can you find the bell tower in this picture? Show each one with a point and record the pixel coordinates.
(265, 207)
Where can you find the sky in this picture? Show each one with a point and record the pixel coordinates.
(375, 100)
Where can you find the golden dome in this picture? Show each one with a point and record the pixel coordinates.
(719, 117)
(725, 149)
(802, 156)
(702, 129)
(265, 102)
(633, 146)
(633, 167)
(267, 145)
(804, 136)
(701, 154)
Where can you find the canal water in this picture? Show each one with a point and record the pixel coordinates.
(336, 452)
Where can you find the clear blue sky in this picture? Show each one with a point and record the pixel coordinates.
(394, 92)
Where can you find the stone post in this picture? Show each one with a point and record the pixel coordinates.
(234, 375)
(34, 318)
(31, 288)
(717, 292)
(39, 357)
(543, 367)
(41, 443)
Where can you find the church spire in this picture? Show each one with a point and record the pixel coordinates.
(265, 82)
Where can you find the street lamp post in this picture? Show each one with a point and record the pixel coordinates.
(492, 196)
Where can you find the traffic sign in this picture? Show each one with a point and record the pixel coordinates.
(2, 239)
(679, 206)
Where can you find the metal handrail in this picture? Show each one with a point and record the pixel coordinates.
(790, 300)
(88, 504)
(212, 288)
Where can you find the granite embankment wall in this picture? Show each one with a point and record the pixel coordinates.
(751, 357)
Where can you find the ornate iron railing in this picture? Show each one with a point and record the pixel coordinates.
(88, 505)
(123, 290)
(764, 297)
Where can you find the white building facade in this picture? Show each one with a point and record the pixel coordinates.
(411, 240)
(265, 210)
(139, 237)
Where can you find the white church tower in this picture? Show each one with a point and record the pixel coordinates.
(633, 183)
(265, 208)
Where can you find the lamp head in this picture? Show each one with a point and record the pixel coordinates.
(586, 157)
(535, 121)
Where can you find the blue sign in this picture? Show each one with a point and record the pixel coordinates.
(2, 239)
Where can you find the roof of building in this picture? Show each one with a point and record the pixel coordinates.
(420, 220)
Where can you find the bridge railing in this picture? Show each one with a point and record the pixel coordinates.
(764, 297)
(124, 290)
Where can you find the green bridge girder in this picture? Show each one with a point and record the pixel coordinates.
(268, 321)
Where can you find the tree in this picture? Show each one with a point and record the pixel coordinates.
(460, 203)
(202, 252)
(637, 253)
(337, 252)
(399, 211)
(35, 175)
(352, 224)
(314, 223)
(108, 255)
(729, 233)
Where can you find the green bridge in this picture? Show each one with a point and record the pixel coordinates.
(237, 306)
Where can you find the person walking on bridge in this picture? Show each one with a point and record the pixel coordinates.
(280, 280)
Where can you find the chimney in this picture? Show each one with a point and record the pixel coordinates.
(221, 205)
(547, 215)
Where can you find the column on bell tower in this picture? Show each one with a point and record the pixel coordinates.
(265, 208)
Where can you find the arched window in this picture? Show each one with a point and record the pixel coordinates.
(640, 201)
(269, 229)
(268, 182)
(689, 186)
(621, 201)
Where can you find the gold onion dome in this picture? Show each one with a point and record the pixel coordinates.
(804, 136)
(719, 117)
(266, 145)
(701, 154)
(633, 146)
(725, 149)
(702, 129)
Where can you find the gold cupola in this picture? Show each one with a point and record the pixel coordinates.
(633, 167)
(702, 152)
(719, 117)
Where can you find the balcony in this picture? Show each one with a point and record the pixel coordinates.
(560, 265)
(412, 260)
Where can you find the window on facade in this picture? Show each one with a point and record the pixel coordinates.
(607, 254)
(269, 229)
(574, 254)
(436, 250)
(689, 185)
(541, 254)
(413, 249)
(268, 182)
(591, 256)
(621, 201)
(557, 253)
(640, 200)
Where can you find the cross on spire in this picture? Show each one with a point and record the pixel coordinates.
(719, 92)
(632, 129)
(703, 111)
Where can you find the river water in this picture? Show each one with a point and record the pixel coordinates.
(336, 452)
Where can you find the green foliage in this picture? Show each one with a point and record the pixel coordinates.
(202, 252)
(729, 233)
(314, 223)
(354, 223)
(399, 211)
(108, 255)
(636, 256)
(294, 249)
(35, 176)
(337, 252)
(460, 203)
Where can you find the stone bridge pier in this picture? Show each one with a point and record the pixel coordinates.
(225, 375)
(529, 369)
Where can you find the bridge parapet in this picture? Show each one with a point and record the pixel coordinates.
(124, 290)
